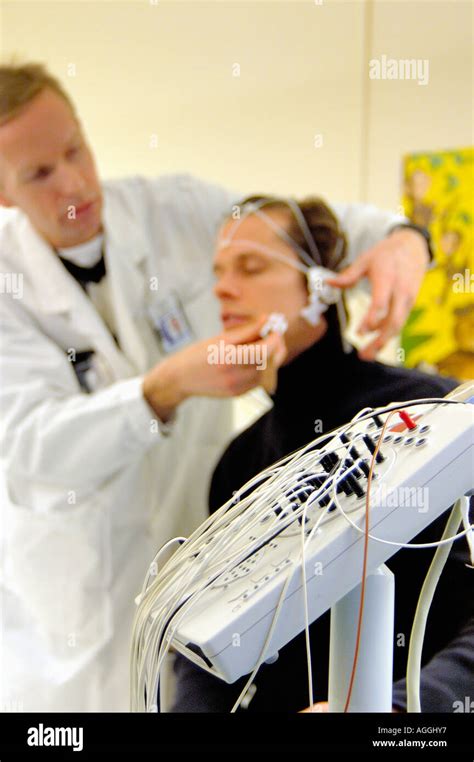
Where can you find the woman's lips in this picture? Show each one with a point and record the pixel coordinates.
(229, 320)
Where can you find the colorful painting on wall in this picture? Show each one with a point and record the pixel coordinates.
(439, 194)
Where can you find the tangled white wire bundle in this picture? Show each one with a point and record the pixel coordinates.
(279, 498)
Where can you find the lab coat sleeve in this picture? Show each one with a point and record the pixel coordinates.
(211, 203)
(52, 431)
(203, 206)
(364, 226)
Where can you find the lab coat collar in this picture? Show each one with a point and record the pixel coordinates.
(122, 232)
(126, 251)
(126, 254)
(56, 291)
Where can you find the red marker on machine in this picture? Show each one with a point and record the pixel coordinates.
(407, 420)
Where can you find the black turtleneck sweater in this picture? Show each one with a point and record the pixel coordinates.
(325, 384)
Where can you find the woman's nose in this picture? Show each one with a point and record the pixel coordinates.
(226, 286)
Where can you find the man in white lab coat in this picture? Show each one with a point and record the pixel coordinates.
(112, 418)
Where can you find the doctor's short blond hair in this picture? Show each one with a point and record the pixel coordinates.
(20, 83)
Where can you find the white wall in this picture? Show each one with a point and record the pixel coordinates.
(166, 69)
(141, 70)
(404, 116)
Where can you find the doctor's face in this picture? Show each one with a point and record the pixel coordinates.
(48, 171)
(250, 283)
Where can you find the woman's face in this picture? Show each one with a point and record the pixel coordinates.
(250, 283)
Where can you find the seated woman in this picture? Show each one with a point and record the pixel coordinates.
(263, 264)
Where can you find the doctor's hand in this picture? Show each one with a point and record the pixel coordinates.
(395, 268)
(226, 365)
(323, 706)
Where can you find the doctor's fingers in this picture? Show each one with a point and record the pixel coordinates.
(275, 348)
(393, 295)
(321, 706)
(353, 273)
(236, 378)
(383, 281)
(265, 357)
(391, 325)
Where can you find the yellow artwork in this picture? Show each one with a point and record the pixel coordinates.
(439, 195)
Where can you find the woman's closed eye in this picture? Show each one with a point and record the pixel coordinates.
(252, 264)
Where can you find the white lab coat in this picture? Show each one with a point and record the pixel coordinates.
(92, 486)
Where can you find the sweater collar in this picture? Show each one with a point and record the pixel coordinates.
(318, 368)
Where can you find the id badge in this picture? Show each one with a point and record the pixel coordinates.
(170, 323)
